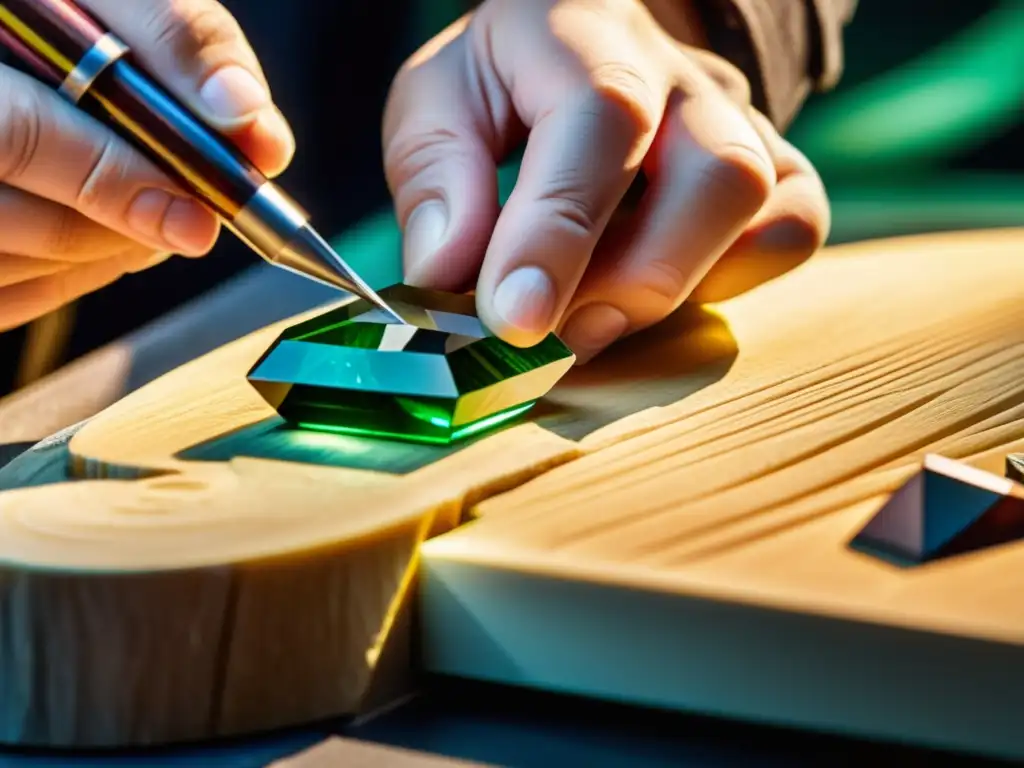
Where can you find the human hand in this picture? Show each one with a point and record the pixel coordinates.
(602, 91)
(78, 206)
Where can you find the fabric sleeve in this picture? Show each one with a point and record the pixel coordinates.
(786, 48)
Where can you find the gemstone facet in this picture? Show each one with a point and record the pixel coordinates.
(439, 378)
(948, 508)
(1015, 467)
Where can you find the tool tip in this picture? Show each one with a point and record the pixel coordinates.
(401, 320)
(310, 255)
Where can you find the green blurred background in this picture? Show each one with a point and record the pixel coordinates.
(923, 133)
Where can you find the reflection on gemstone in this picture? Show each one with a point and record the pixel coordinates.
(947, 508)
(440, 378)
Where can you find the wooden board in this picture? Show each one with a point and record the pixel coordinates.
(337, 752)
(670, 528)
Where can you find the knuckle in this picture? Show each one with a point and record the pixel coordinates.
(622, 87)
(724, 74)
(570, 209)
(412, 154)
(738, 173)
(664, 284)
(21, 129)
(108, 171)
(190, 27)
(735, 83)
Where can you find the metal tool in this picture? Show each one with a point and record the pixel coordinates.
(94, 70)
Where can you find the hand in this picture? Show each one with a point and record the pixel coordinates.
(602, 91)
(78, 206)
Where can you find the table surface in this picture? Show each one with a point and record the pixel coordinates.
(524, 729)
(485, 723)
(481, 723)
(488, 724)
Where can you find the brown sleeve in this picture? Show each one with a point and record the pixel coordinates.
(786, 48)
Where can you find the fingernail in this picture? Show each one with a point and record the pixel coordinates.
(179, 222)
(592, 328)
(233, 94)
(526, 300)
(424, 233)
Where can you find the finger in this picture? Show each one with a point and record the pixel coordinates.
(728, 77)
(709, 173)
(261, 143)
(440, 146)
(787, 231)
(148, 262)
(199, 52)
(18, 269)
(583, 152)
(47, 231)
(54, 151)
(25, 301)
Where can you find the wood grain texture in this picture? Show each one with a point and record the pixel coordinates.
(718, 526)
(350, 753)
(671, 528)
(80, 390)
(305, 570)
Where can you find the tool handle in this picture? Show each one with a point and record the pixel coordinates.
(97, 72)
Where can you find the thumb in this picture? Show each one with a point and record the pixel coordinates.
(440, 148)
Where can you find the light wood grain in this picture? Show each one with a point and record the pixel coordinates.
(91, 383)
(671, 529)
(747, 492)
(337, 752)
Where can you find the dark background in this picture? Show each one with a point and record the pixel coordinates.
(330, 63)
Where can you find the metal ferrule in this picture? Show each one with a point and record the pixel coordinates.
(79, 80)
(269, 222)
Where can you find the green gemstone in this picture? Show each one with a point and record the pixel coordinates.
(440, 378)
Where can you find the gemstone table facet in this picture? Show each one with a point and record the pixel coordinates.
(440, 378)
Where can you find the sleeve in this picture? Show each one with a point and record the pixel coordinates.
(786, 48)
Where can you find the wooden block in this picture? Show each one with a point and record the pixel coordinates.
(350, 753)
(697, 558)
(672, 529)
(265, 593)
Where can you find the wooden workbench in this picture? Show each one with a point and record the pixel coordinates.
(670, 528)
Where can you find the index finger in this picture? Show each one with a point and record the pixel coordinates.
(57, 152)
(580, 159)
(197, 50)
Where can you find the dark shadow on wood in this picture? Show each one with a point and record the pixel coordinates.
(689, 351)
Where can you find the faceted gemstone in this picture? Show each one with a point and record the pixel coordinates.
(440, 377)
(1015, 467)
(946, 509)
